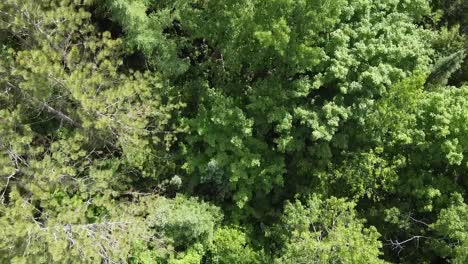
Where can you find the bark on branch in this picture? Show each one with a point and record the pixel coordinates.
(400, 245)
(57, 113)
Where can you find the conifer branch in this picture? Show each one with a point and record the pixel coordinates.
(57, 113)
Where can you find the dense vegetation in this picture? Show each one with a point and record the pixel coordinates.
(233, 131)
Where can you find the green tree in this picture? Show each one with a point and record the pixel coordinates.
(85, 146)
(231, 245)
(272, 87)
(182, 136)
(452, 230)
(326, 232)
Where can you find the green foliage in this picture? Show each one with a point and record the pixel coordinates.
(290, 84)
(137, 232)
(187, 222)
(145, 33)
(229, 244)
(427, 150)
(65, 183)
(326, 232)
(178, 137)
(452, 227)
(454, 12)
(445, 68)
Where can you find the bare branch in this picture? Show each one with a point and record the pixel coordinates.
(12, 175)
(60, 115)
(400, 245)
(417, 221)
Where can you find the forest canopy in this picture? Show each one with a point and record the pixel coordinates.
(233, 131)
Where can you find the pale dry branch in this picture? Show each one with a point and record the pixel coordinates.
(400, 245)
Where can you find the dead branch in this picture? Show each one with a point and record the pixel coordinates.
(400, 245)
(57, 113)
